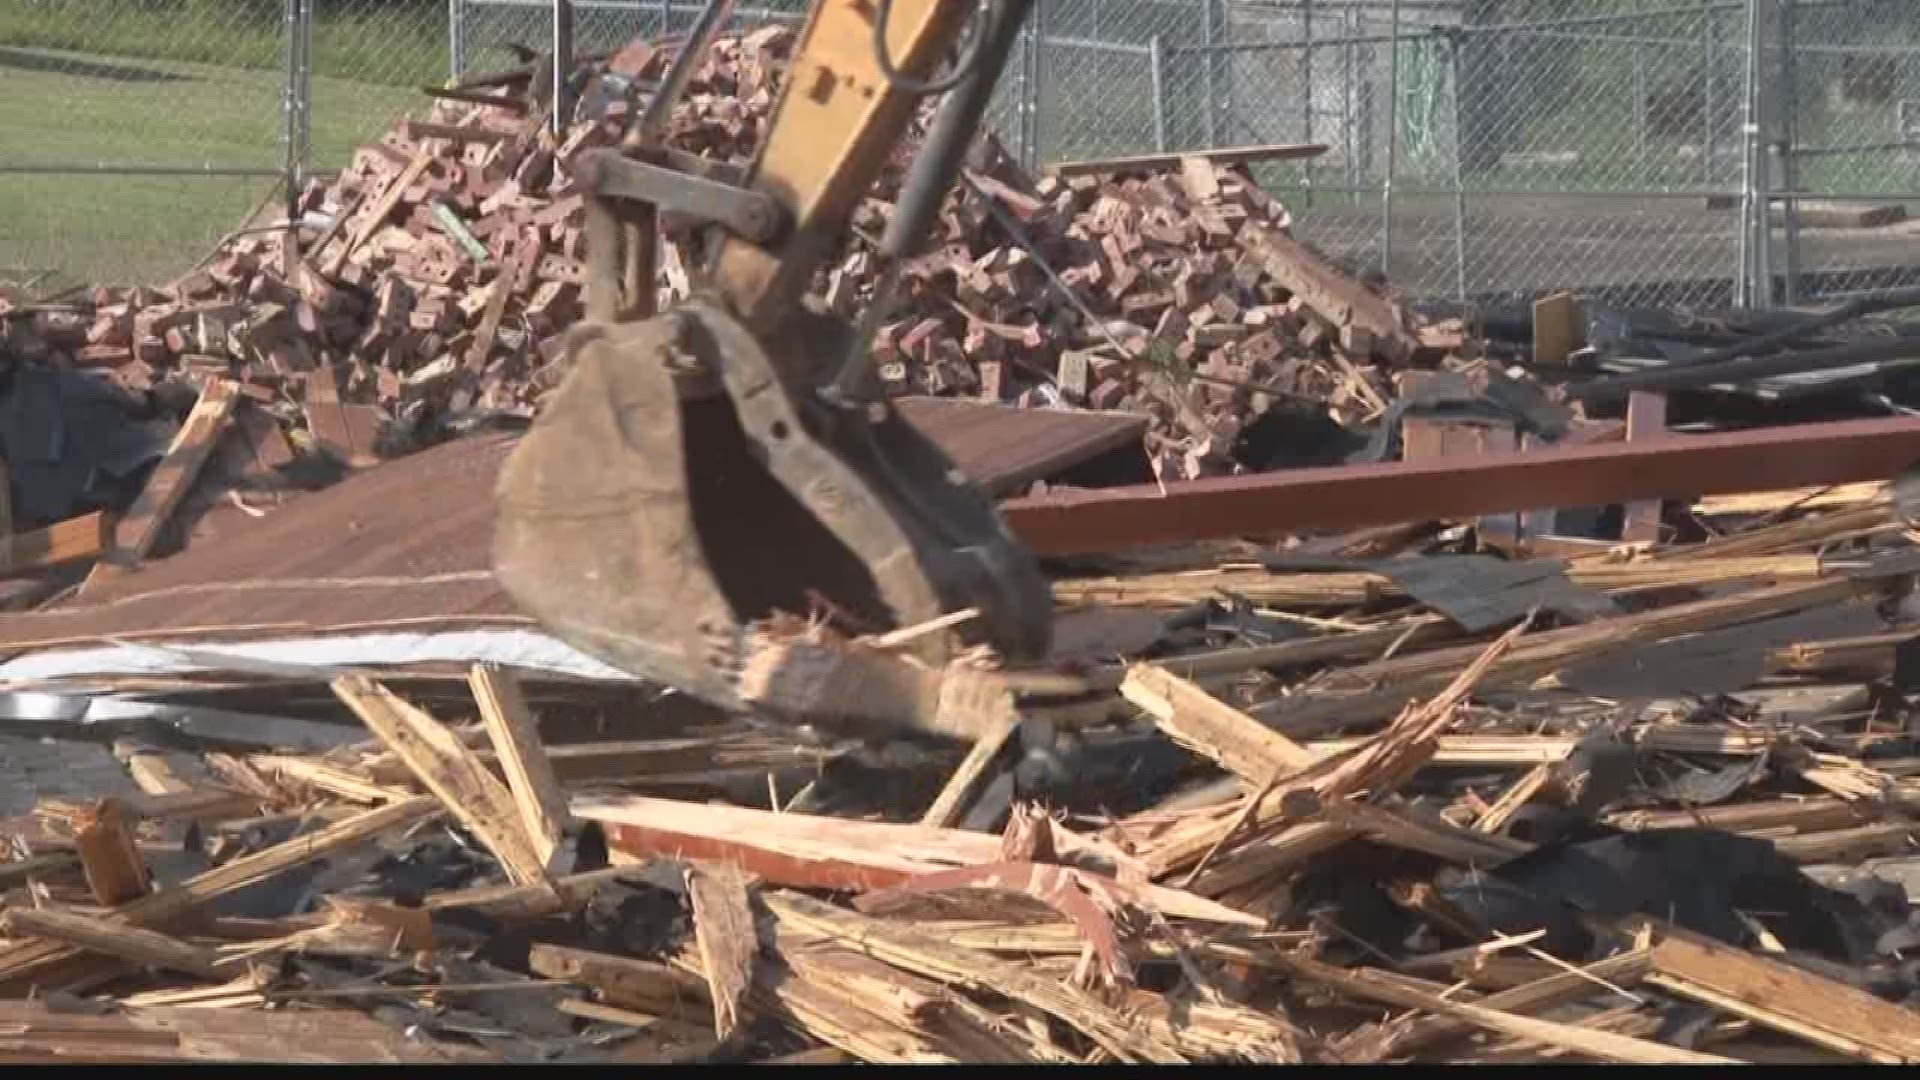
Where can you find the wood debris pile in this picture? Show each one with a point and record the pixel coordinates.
(433, 277)
(1277, 805)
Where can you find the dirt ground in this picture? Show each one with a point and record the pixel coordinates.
(1534, 243)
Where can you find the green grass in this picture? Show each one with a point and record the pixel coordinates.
(395, 42)
(68, 108)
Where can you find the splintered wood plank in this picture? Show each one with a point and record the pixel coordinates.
(1602, 1045)
(1211, 727)
(1646, 420)
(1556, 328)
(95, 934)
(1381, 1041)
(516, 741)
(815, 852)
(1226, 155)
(531, 901)
(643, 985)
(73, 540)
(1379, 764)
(1514, 799)
(103, 838)
(503, 290)
(952, 800)
(44, 963)
(724, 935)
(346, 431)
(1369, 324)
(382, 208)
(135, 533)
(933, 958)
(1787, 999)
(408, 928)
(448, 769)
(200, 1035)
(154, 774)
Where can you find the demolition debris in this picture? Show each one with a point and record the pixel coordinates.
(1622, 770)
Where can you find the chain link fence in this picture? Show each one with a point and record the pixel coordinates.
(1700, 151)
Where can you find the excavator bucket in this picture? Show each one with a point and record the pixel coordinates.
(681, 485)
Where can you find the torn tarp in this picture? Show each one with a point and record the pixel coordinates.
(1715, 662)
(1697, 878)
(1477, 591)
(101, 718)
(73, 443)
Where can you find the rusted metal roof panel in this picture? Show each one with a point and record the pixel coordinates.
(408, 544)
(1005, 449)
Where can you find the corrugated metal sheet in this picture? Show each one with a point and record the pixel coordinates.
(407, 545)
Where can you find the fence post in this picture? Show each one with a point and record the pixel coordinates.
(1759, 123)
(1306, 78)
(1459, 174)
(1032, 87)
(1209, 76)
(1706, 94)
(1393, 139)
(289, 161)
(304, 106)
(562, 66)
(294, 102)
(1349, 101)
(1639, 68)
(1154, 61)
(1785, 142)
(456, 38)
(1749, 135)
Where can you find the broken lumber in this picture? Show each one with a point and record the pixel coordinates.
(1203, 723)
(1226, 155)
(516, 740)
(724, 933)
(130, 943)
(1785, 998)
(449, 770)
(135, 533)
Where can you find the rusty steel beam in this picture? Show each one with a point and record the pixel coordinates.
(1358, 496)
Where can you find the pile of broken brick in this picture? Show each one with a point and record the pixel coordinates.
(429, 282)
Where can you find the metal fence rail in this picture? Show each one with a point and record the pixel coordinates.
(1652, 150)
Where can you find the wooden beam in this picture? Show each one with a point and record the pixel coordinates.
(1646, 421)
(378, 213)
(1556, 328)
(42, 963)
(1787, 999)
(134, 535)
(1226, 155)
(1604, 1046)
(94, 934)
(724, 934)
(516, 739)
(115, 870)
(951, 802)
(1369, 324)
(449, 770)
(1203, 723)
(73, 540)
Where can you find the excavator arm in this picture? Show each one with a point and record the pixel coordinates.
(703, 469)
